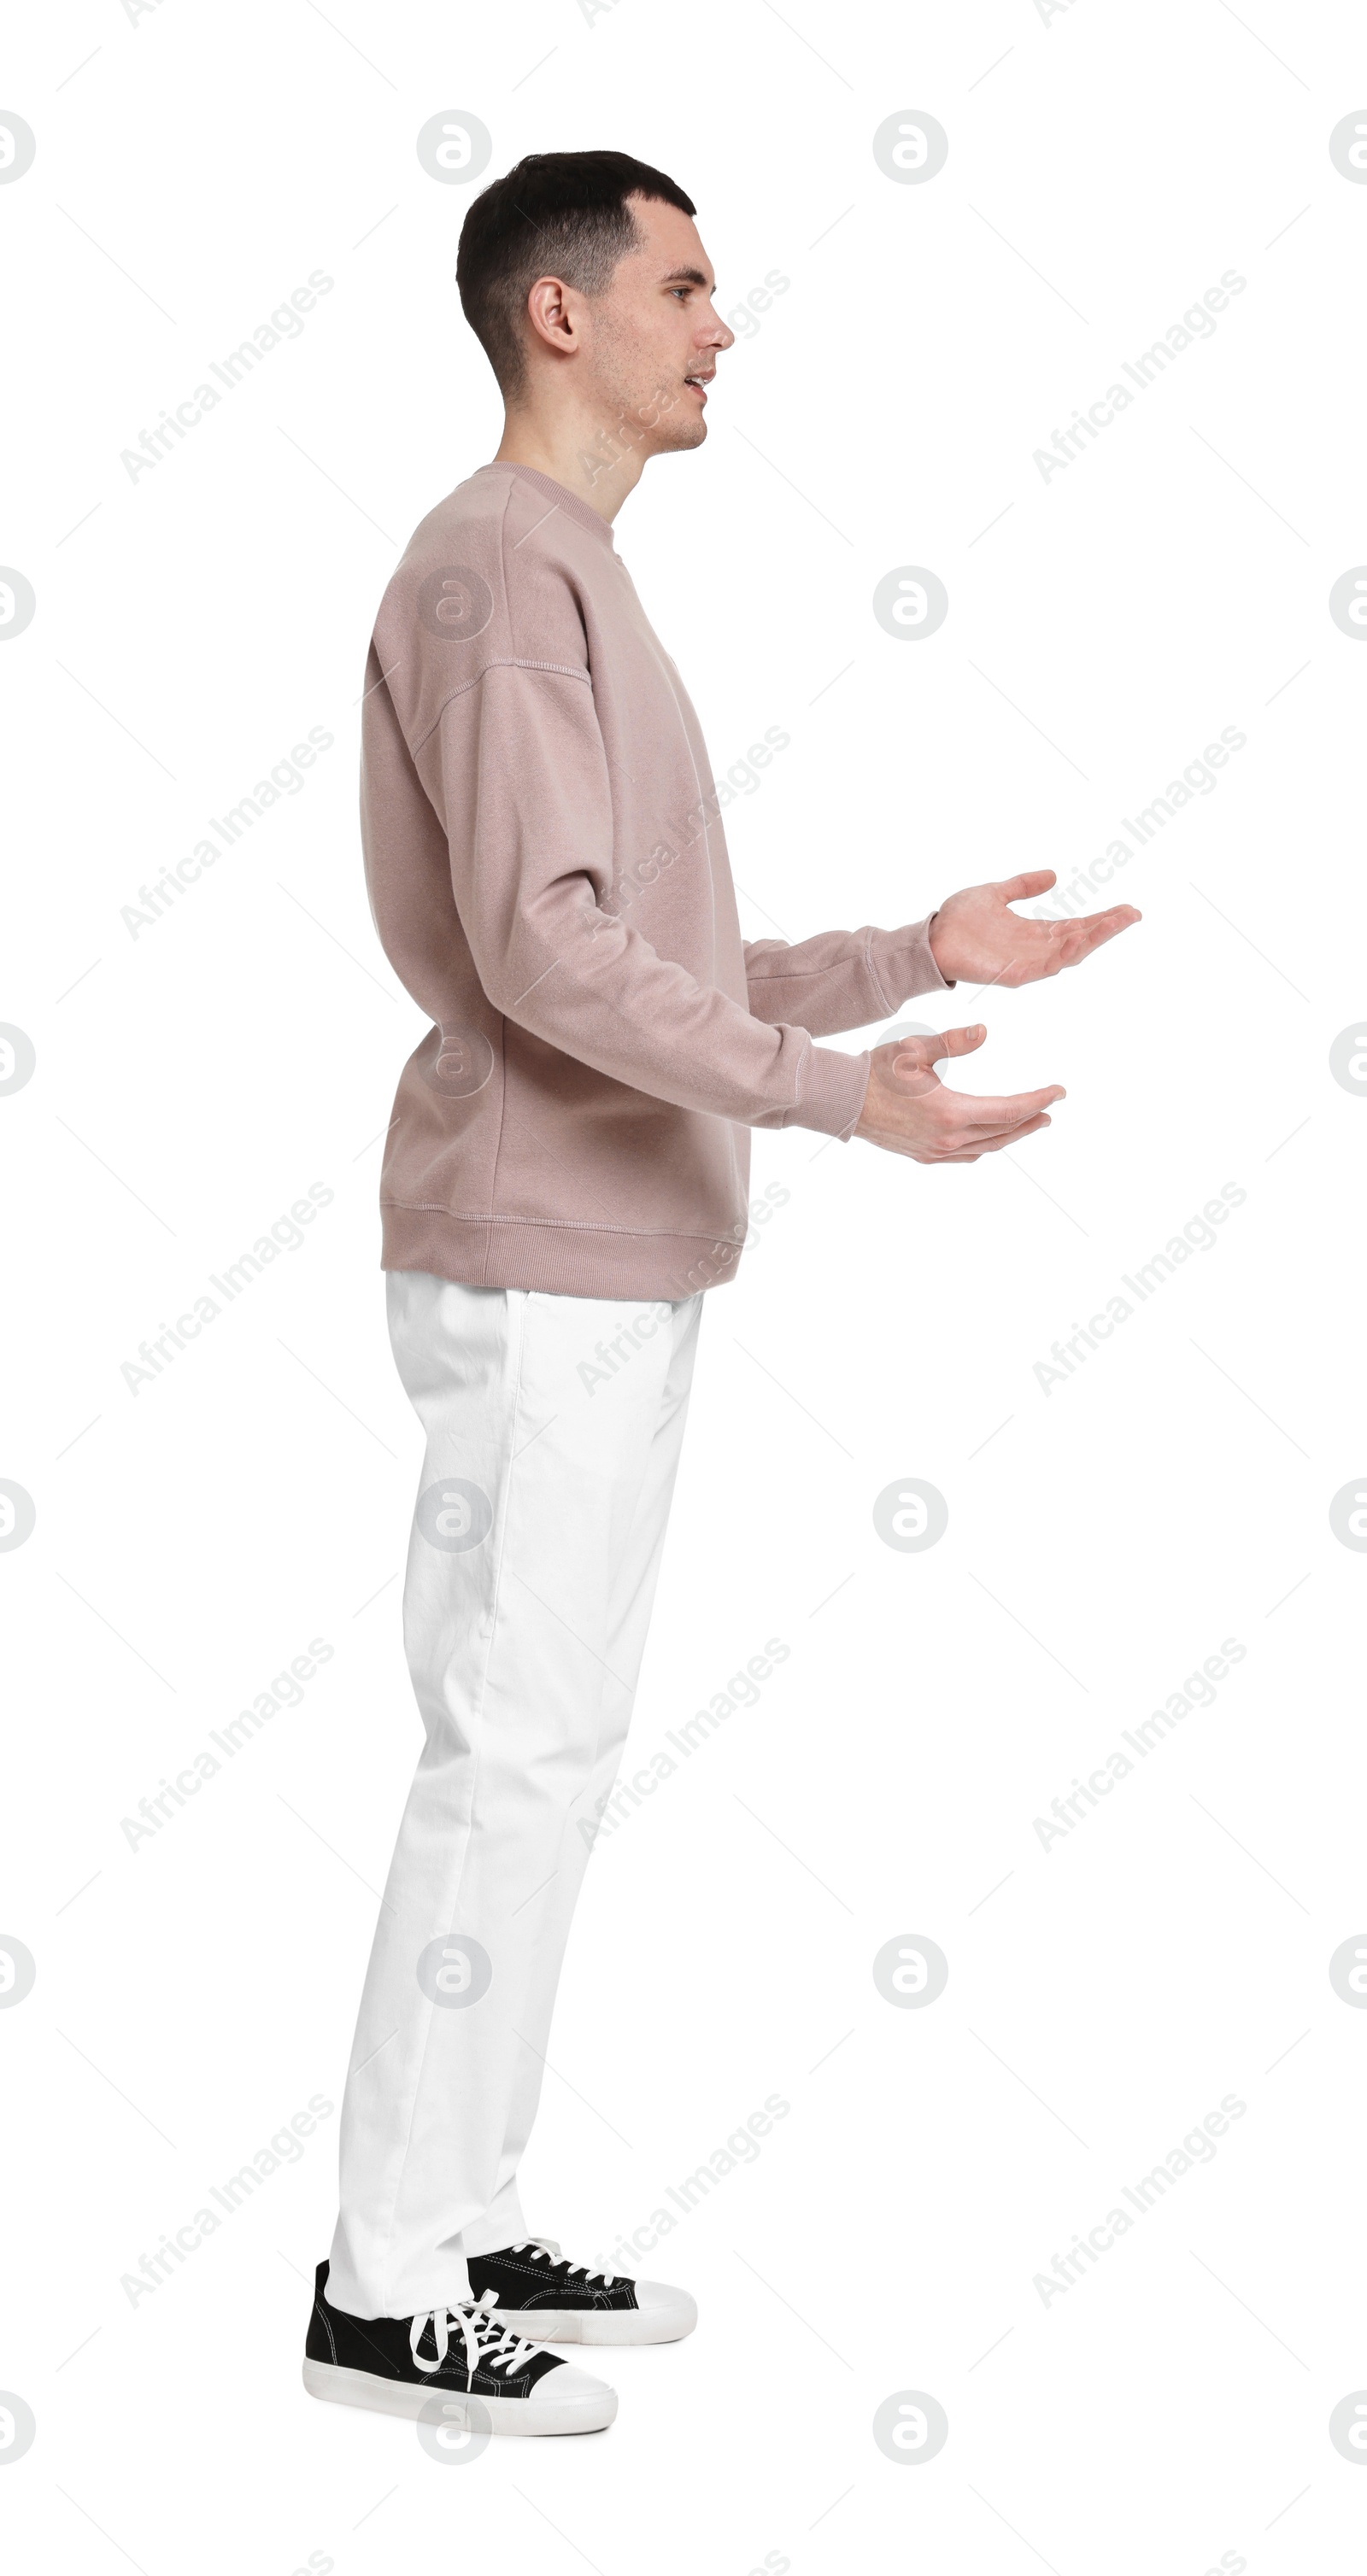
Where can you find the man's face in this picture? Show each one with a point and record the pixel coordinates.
(653, 339)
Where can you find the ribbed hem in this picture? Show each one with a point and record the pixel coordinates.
(833, 1089)
(559, 1260)
(904, 963)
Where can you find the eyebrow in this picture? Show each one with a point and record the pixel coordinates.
(688, 277)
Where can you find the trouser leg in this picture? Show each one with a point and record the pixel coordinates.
(630, 1599)
(536, 1544)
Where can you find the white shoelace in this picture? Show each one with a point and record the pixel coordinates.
(487, 2346)
(546, 2248)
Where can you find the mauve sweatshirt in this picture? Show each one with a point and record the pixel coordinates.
(548, 874)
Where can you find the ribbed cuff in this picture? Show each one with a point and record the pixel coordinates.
(833, 1088)
(904, 963)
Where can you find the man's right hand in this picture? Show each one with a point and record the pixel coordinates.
(908, 1110)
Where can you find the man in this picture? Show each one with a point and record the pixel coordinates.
(565, 1179)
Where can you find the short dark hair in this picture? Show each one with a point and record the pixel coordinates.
(565, 212)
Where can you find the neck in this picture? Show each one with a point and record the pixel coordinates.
(598, 464)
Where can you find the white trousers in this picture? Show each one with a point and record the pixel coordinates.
(553, 1427)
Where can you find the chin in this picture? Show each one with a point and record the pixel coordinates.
(682, 435)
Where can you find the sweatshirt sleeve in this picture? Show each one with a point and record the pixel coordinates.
(516, 770)
(841, 979)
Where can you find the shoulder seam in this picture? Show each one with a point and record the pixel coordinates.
(503, 662)
(503, 555)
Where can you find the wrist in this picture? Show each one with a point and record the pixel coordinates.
(940, 949)
(903, 963)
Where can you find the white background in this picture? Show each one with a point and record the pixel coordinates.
(1106, 166)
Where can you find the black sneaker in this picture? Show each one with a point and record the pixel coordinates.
(398, 2365)
(532, 2284)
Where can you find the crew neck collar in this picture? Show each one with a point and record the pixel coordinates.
(559, 494)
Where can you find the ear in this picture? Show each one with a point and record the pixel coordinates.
(554, 312)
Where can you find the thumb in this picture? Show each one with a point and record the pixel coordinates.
(909, 1063)
(1033, 881)
(950, 1042)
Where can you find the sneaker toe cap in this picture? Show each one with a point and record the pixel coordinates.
(665, 2306)
(568, 2380)
(578, 2396)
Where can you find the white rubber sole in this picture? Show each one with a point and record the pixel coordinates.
(602, 2325)
(585, 2406)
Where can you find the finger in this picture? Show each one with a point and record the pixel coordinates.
(1007, 1135)
(1081, 937)
(972, 1116)
(1104, 925)
(997, 1135)
(994, 1144)
(1034, 881)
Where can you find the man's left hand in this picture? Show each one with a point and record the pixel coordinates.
(975, 938)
